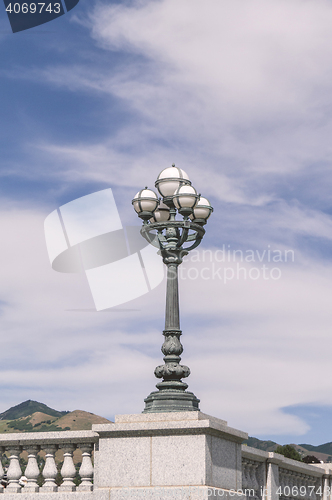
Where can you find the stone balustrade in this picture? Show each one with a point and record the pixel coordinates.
(270, 476)
(173, 456)
(46, 444)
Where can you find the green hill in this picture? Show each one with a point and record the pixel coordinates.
(322, 448)
(261, 445)
(32, 416)
(28, 408)
(322, 452)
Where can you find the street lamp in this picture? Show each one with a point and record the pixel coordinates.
(161, 229)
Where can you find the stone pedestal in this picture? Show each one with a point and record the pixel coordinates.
(180, 455)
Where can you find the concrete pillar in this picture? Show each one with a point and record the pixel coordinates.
(272, 480)
(175, 455)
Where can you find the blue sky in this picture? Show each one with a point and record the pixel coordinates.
(239, 95)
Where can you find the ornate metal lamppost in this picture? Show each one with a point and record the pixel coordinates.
(171, 236)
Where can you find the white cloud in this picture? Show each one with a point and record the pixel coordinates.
(41, 332)
(279, 328)
(261, 343)
(258, 55)
(240, 90)
(253, 77)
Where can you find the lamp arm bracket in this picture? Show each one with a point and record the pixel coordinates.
(197, 242)
(153, 239)
(183, 238)
(161, 240)
(192, 237)
(160, 226)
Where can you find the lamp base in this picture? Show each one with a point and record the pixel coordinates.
(171, 400)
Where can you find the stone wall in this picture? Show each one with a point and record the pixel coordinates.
(166, 456)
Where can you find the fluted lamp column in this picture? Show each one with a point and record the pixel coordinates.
(171, 236)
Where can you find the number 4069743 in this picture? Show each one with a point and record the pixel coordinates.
(33, 8)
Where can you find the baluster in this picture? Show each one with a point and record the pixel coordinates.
(291, 476)
(304, 487)
(297, 483)
(251, 475)
(249, 483)
(32, 470)
(2, 472)
(261, 478)
(307, 484)
(14, 472)
(311, 493)
(301, 484)
(68, 470)
(245, 482)
(254, 481)
(283, 482)
(313, 483)
(86, 469)
(50, 471)
(325, 481)
(290, 482)
(319, 487)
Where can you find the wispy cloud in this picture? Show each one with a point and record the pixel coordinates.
(250, 327)
(241, 90)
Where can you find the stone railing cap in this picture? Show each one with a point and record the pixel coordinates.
(166, 417)
(42, 438)
(254, 453)
(285, 463)
(294, 465)
(202, 424)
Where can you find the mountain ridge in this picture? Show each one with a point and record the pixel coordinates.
(32, 416)
(322, 452)
(29, 407)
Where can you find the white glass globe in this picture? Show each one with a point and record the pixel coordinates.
(202, 210)
(170, 179)
(161, 214)
(145, 200)
(185, 197)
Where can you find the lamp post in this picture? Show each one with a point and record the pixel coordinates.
(171, 236)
